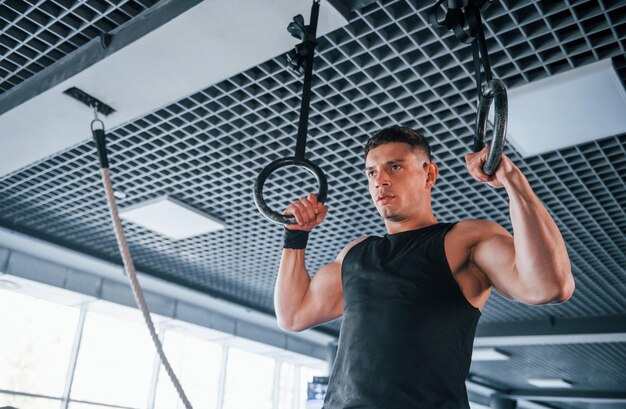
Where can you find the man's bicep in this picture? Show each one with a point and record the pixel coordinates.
(495, 257)
(323, 300)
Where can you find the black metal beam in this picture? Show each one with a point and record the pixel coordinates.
(345, 7)
(610, 328)
(568, 396)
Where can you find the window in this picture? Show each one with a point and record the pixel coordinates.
(80, 405)
(115, 362)
(249, 380)
(27, 402)
(287, 396)
(35, 345)
(197, 365)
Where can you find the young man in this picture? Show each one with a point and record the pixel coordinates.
(411, 300)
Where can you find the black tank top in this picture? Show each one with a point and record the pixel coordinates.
(407, 331)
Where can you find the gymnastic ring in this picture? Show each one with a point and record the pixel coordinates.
(279, 163)
(494, 89)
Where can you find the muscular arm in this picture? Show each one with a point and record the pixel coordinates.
(533, 265)
(302, 302)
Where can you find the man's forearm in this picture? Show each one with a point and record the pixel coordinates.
(291, 286)
(541, 257)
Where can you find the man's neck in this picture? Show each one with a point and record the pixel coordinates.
(413, 223)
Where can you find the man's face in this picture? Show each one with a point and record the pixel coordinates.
(399, 179)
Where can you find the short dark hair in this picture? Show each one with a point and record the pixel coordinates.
(398, 134)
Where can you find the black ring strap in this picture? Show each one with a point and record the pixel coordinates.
(302, 56)
(458, 14)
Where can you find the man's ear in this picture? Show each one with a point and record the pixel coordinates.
(432, 171)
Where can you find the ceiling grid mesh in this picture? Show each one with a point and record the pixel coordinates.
(387, 67)
(36, 34)
(597, 367)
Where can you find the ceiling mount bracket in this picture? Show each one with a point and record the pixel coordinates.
(90, 101)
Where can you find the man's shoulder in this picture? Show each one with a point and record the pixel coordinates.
(349, 246)
(478, 225)
(475, 230)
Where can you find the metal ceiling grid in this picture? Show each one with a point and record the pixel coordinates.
(388, 66)
(594, 405)
(34, 35)
(588, 367)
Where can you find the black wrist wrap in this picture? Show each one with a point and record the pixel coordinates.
(295, 239)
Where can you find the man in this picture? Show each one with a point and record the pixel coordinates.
(411, 300)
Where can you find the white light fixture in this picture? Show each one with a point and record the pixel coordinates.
(568, 109)
(171, 218)
(488, 354)
(549, 383)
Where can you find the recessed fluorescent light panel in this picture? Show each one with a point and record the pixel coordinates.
(488, 354)
(549, 383)
(171, 218)
(568, 109)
